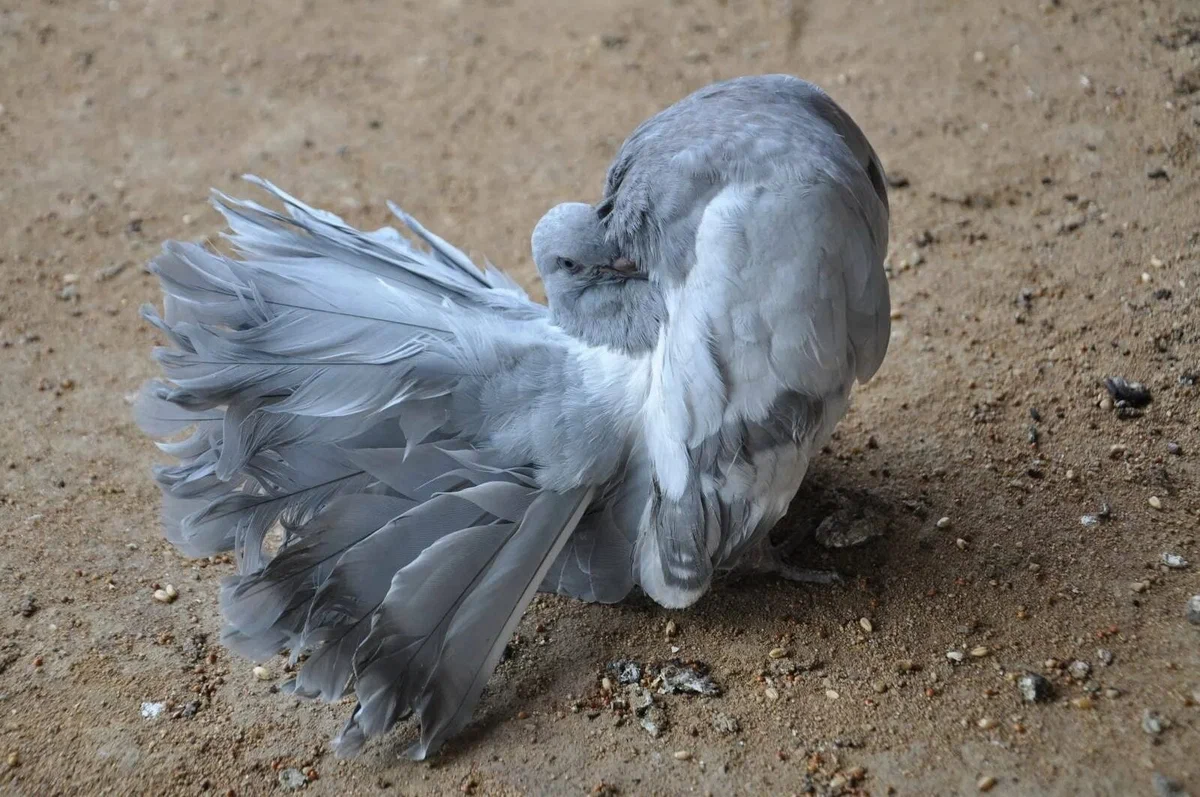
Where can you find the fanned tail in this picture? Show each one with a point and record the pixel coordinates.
(398, 414)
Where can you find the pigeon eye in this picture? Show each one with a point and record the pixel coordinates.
(569, 265)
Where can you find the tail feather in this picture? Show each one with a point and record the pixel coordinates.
(385, 406)
(446, 620)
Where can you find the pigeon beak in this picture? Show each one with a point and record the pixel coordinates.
(624, 267)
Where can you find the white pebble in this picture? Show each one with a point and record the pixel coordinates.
(943, 523)
(832, 694)
(261, 673)
(865, 624)
(777, 653)
(162, 596)
(979, 57)
(1174, 561)
(955, 655)
(172, 593)
(151, 711)
(682, 755)
(1155, 502)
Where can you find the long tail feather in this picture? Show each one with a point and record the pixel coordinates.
(446, 619)
(416, 428)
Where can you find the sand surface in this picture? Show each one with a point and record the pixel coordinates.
(1045, 235)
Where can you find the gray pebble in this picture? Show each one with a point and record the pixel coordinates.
(1153, 723)
(1174, 561)
(1079, 670)
(291, 779)
(1165, 787)
(1105, 655)
(1193, 610)
(1034, 688)
(654, 720)
(723, 723)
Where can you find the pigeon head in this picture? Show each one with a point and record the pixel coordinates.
(594, 293)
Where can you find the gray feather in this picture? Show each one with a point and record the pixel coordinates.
(447, 617)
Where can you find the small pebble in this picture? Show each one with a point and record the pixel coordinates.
(837, 782)
(961, 543)
(1153, 723)
(151, 711)
(1174, 449)
(682, 755)
(1082, 703)
(172, 593)
(1079, 670)
(771, 693)
(1139, 586)
(986, 783)
(943, 523)
(865, 625)
(261, 673)
(1165, 787)
(162, 596)
(1193, 610)
(291, 779)
(979, 56)
(606, 684)
(1105, 655)
(1174, 561)
(1155, 502)
(778, 653)
(955, 656)
(880, 687)
(980, 651)
(1089, 520)
(14, 759)
(1112, 693)
(832, 694)
(987, 723)
(671, 629)
(723, 723)
(1034, 688)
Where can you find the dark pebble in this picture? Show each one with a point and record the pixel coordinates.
(1034, 688)
(1165, 787)
(1133, 394)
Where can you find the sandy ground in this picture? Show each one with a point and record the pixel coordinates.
(1046, 234)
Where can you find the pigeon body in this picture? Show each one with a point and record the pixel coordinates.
(437, 447)
(760, 212)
